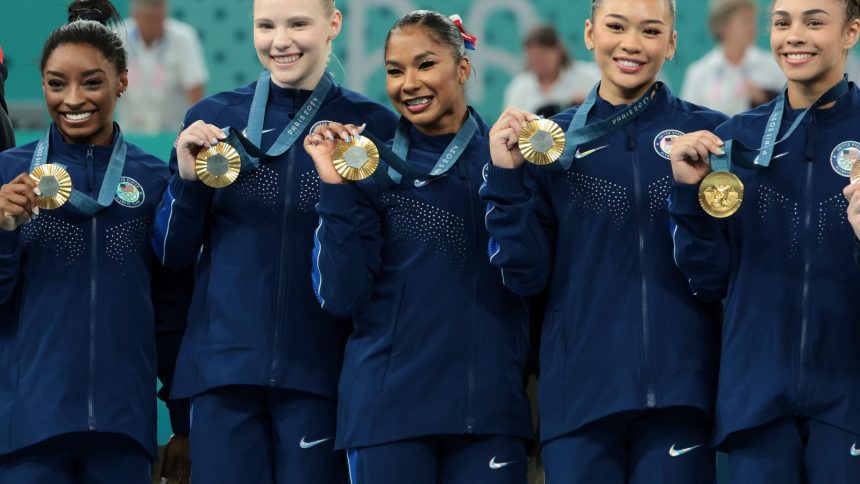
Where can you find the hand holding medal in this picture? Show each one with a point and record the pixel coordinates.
(506, 148)
(340, 153)
(199, 151)
(17, 202)
(698, 158)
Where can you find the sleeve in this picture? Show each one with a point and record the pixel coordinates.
(701, 247)
(181, 218)
(193, 65)
(10, 263)
(521, 226)
(347, 245)
(171, 297)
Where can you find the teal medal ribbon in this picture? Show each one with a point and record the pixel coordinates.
(579, 133)
(396, 156)
(291, 132)
(107, 191)
(736, 152)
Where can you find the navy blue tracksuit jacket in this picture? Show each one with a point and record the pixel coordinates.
(254, 319)
(440, 345)
(784, 265)
(78, 332)
(622, 330)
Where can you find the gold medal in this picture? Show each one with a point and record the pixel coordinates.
(721, 194)
(55, 186)
(357, 159)
(218, 166)
(855, 172)
(542, 142)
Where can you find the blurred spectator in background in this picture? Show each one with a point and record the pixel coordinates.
(7, 135)
(736, 75)
(166, 69)
(552, 81)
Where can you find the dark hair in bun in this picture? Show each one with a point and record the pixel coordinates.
(88, 25)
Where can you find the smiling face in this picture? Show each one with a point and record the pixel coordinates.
(631, 40)
(809, 39)
(425, 81)
(293, 40)
(81, 88)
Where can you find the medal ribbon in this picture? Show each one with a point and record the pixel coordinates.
(296, 126)
(79, 200)
(397, 155)
(736, 151)
(579, 133)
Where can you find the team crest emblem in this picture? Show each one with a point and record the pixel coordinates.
(129, 193)
(844, 156)
(485, 172)
(663, 142)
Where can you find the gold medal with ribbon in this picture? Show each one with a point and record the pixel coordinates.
(721, 194)
(218, 166)
(54, 184)
(542, 142)
(357, 159)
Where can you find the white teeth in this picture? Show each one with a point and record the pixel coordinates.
(417, 101)
(77, 116)
(799, 56)
(629, 63)
(286, 59)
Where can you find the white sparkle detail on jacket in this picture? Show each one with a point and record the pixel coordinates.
(832, 218)
(590, 195)
(658, 192)
(412, 221)
(309, 191)
(776, 208)
(46, 232)
(127, 239)
(259, 185)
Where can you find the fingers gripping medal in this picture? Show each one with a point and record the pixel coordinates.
(357, 159)
(54, 184)
(542, 142)
(855, 173)
(218, 166)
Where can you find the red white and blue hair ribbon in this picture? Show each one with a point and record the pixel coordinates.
(469, 40)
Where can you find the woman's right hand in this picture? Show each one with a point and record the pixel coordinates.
(320, 145)
(17, 202)
(191, 141)
(505, 136)
(690, 154)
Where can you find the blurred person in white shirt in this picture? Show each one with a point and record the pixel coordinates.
(736, 75)
(552, 81)
(166, 69)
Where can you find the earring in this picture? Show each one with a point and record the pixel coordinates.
(589, 46)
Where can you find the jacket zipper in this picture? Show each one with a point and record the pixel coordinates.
(94, 238)
(283, 272)
(650, 393)
(470, 419)
(804, 305)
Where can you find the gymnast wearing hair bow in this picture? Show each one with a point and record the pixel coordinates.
(432, 385)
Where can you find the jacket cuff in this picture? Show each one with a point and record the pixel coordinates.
(180, 416)
(684, 200)
(183, 190)
(506, 182)
(336, 197)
